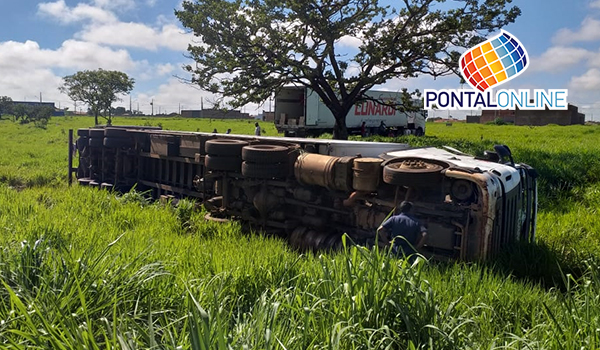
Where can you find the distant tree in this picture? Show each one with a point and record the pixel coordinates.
(249, 49)
(119, 111)
(5, 105)
(99, 89)
(39, 115)
(19, 112)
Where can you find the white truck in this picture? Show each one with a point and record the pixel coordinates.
(300, 112)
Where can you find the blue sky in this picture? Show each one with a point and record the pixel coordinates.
(42, 41)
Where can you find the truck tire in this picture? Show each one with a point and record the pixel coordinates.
(265, 171)
(220, 163)
(265, 154)
(116, 132)
(83, 132)
(224, 147)
(413, 172)
(419, 132)
(118, 142)
(95, 142)
(96, 133)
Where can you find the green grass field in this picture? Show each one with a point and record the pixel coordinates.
(82, 268)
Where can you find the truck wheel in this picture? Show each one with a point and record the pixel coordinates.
(413, 172)
(224, 147)
(116, 132)
(117, 142)
(264, 171)
(265, 154)
(219, 163)
(95, 142)
(83, 132)
(419, 132)
(96, 133)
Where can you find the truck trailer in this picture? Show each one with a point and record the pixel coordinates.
(311, 192)
(300, 112)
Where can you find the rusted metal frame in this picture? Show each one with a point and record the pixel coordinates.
(225, 191)
(179, 159)
(190, 178)
(181, 174)
(297, 202)
(464, 229)
(172, 189)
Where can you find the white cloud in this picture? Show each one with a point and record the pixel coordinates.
(595, 4)
(589, 31)
(350, 41)
(115, 4)
(71, 55)
(164, 69)
(559, 58)
(82, 12)
(137, 35)
(26, 69)
(590, 80)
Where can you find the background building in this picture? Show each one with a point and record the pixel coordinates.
(214, 114)
(571, 116)
(56, 113)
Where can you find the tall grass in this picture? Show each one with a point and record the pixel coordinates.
(81, 268)
(125, 275)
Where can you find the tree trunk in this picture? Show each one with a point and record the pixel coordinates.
(340, 131)
(95, 118)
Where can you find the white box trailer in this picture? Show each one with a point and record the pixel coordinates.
(300, 112)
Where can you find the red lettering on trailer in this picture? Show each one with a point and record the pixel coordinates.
(373, 108)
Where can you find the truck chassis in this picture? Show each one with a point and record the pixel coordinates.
(311, 192)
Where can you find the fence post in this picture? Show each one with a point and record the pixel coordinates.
(70, 156)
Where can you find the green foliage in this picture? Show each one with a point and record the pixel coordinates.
(5, 105)
(498, 121)
(38, 115)
(98, 89)
(251, 48)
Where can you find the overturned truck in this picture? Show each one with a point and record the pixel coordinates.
(312, 191)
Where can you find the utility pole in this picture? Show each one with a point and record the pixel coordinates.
(130, 111)
(40, 97)
(179, 108)
(152, 104)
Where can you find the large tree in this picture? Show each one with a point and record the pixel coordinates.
(248, 49)
(99, 89)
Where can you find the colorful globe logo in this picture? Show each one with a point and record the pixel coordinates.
(493, 62)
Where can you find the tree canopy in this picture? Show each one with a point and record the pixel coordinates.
(5, 105)
(248, 49)
(99, 89)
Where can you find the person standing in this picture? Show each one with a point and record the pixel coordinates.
(404, 231)
(257, 129)
(363, 129)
